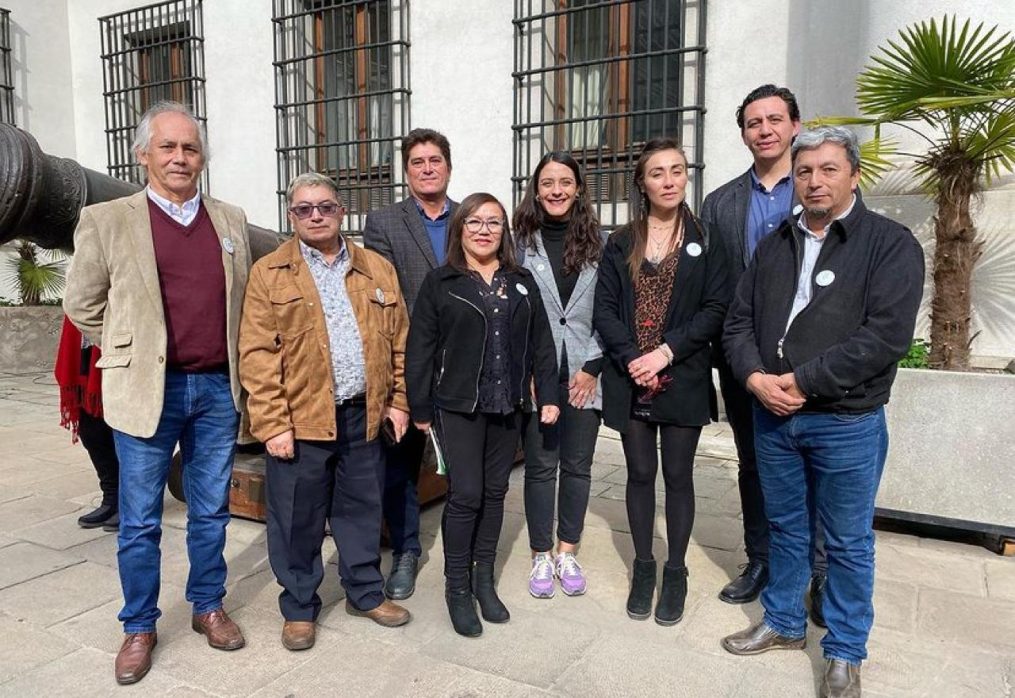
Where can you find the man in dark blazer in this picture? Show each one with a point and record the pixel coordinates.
(412, 235)
(740, 213)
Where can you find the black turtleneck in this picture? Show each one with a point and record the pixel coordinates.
(553, 233)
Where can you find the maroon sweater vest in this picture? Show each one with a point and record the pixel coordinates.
(193, 284)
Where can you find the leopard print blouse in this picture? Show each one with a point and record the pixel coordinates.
(652, 293)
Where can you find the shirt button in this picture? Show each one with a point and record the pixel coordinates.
(497, 357)
(498, 382)
(162, 359)
(497, 333)
(770, 225)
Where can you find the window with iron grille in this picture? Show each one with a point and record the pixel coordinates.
(6, 69)
(149, 54)
(599, 78)
(342, 98)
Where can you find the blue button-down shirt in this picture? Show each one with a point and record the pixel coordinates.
(437, 230)
(347, 364)
(768, 209)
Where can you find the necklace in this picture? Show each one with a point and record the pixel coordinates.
(664, 243)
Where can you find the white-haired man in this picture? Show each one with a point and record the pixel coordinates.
(157, 281)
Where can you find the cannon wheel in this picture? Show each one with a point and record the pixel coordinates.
(175, 481)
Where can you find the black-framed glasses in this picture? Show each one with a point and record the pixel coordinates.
(328, 209)
(494, 225)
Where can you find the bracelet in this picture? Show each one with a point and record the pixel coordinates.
(665, 350)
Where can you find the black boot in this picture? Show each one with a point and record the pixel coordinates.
(643, 585)
(670, 607)
(99, 516)
(462, 609)
(817, 594)
(490, 604)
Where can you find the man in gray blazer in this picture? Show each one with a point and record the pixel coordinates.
(412, 235)
(157, 281)
(740, 213)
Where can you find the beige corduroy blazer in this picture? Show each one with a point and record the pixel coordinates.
(113, 297)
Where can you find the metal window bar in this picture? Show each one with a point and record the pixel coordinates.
(599, 78)
(342, 98)
(150, 54)
(6, 69)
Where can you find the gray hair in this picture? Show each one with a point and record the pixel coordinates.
(312, 179)
(143, 132)
(814, 138)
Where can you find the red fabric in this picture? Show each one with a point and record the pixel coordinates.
(193, 284)
(78, 390)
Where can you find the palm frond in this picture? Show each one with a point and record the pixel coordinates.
(875, 160)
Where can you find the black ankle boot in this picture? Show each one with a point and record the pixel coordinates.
(643, 585)
(490, 604)
(462, 609)
(670, 607)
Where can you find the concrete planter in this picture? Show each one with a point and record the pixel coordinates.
(952, 450)
(28, 338)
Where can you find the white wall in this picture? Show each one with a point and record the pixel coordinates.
(43, 100)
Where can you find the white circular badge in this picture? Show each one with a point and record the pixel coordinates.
(227, 245)
(825, 277)
(797, 210)
(694, 249)
(380, 296)
(521, 289)
(540, 267)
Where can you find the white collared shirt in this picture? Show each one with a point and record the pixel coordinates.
(812, 248)
(184, 215)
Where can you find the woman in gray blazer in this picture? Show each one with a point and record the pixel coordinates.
(559, 241)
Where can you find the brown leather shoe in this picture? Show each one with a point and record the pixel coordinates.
(135, 657)
(389, 614)
(298, 634)
(842, 680)
(761, 638)
(221, 631)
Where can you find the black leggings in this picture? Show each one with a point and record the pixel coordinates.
(97, 438)
(678, 447)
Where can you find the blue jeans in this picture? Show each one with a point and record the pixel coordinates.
(826, 466)
(197, 412)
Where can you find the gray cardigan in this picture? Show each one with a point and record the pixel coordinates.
(583, 343)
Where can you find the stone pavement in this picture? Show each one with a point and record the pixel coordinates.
(945, 622)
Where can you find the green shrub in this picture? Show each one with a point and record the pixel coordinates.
(917, 356)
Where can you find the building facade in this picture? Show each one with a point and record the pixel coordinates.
(286, 86)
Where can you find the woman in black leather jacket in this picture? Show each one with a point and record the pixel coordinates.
(479, 341)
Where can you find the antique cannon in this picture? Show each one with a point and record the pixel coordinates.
(41, 197)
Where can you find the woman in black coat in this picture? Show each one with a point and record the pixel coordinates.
(661, 296)
(478, 340)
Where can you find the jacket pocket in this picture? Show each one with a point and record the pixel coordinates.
(289, 308)
(114, 361)
(382, 306)
(121, 340)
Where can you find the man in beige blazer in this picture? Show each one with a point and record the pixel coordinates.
(157, 281)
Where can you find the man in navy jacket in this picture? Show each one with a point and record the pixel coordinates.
(819, 321)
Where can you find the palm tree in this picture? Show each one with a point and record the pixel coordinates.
(955, 87)
(33, 277)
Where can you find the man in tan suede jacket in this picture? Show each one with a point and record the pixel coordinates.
(322, 353)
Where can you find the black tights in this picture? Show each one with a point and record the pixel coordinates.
(678, 447)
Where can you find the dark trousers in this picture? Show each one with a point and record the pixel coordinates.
(678, 447)
(401, 502)
(740, 413)
(97, 438)
(571, 443)
(479, 450)
(343, 477)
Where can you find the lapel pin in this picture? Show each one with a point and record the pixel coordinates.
(380, 296)
(825, 277)
(521, 289)
(694, 249)
(797, 210)
(227, 245)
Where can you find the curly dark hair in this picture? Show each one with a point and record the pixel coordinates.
(582, 243)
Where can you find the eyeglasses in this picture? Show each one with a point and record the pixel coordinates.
(494, 225)
(327, 209)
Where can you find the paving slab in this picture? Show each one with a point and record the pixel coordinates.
(25, 646)
(1000, 578)
(930, 568)
(968, 619)
(62, 532)
(83, 674)
(59, 595)
(31, 510)
(23, 561)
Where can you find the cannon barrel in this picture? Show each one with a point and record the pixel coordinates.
(41, 196)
